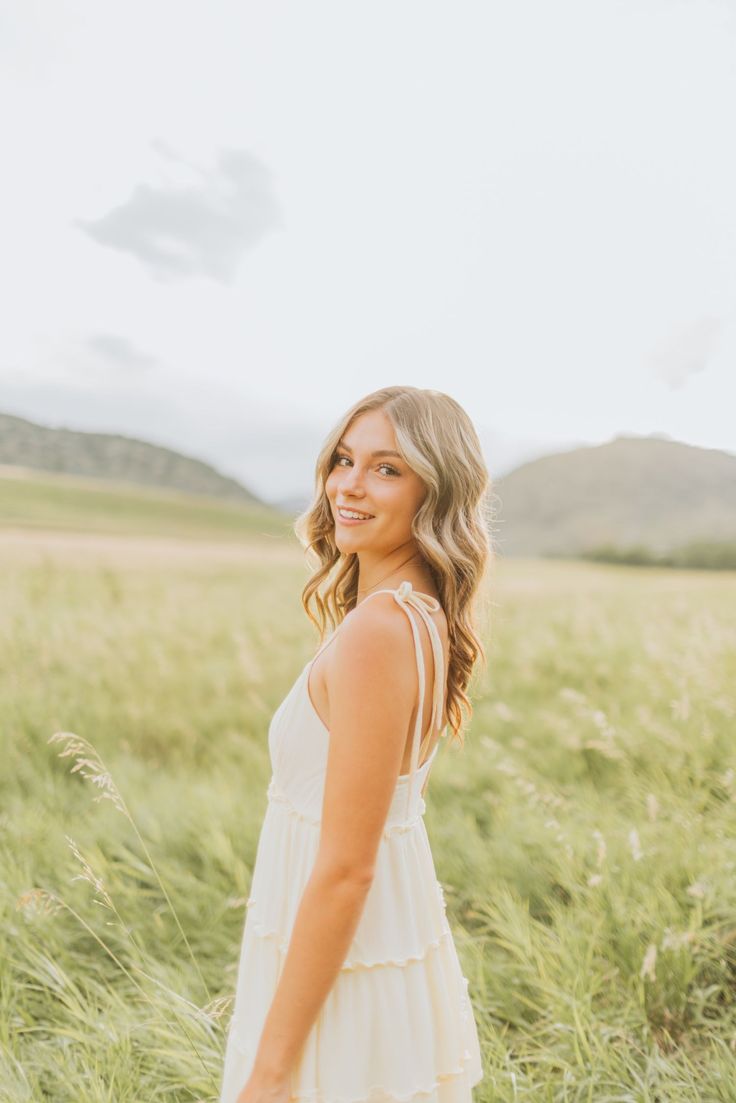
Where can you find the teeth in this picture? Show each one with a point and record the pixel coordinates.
(352, 513)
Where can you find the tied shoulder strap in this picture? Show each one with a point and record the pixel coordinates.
(408, 598)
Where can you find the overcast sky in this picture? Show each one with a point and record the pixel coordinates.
(225, 222)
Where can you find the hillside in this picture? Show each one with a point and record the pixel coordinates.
(633, 490)
(111, 457)
(43, 501)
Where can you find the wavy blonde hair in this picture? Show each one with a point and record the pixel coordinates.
(452, 527)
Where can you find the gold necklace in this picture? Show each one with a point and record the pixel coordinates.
(393, 571)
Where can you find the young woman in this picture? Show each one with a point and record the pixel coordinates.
(349, 986)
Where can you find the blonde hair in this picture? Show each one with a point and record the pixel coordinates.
(452, 527)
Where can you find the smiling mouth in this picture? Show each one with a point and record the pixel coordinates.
(353, 515)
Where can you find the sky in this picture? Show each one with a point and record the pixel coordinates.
(225, 223)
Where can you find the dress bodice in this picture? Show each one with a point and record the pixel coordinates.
(299, 741)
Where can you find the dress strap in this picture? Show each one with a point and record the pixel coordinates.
(407, 597)
(325, 644)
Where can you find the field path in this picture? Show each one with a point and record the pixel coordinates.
(28, 544)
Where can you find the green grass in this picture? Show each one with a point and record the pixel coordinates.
(584, 835)
(72, 503)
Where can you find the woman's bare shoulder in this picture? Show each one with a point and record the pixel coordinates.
(372, 626)
(373, 666)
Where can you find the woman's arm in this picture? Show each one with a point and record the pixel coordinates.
(372, 687)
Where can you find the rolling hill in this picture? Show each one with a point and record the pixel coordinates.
(648, 491)
(111, 457)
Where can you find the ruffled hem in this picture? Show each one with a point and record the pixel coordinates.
(349, 963)
(449, 1087)
(277, 796)
(438, 1092)
(404, 911)
(408, 1028)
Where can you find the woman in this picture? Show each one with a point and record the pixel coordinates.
(349, 985)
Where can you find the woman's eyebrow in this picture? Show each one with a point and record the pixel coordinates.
(378, 452)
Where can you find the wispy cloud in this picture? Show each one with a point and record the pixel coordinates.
(120, 352)
(686, 352)
(201, 229)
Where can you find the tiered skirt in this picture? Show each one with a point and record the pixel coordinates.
(397, 1024)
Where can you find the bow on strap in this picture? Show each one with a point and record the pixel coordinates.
(407, 597)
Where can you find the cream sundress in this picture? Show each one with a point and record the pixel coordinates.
(397, 1024)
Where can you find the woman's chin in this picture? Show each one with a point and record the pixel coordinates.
(348, 542)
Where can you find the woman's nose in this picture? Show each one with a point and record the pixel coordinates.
(352, 479)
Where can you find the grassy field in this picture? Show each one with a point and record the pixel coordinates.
(584, 835)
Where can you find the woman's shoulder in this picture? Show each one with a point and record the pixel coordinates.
(373, 624)
(378, 608)
(373, 656)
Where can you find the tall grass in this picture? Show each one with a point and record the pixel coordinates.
(584, 837)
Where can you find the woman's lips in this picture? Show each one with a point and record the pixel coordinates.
(352, 520)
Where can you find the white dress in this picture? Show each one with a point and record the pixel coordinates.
(397, 1024)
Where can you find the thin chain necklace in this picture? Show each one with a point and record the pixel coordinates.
(393, 571)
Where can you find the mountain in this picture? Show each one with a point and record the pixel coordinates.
(630, 491)
(111, 457)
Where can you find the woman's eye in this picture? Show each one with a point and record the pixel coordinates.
(387, 466)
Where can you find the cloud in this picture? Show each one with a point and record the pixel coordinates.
(70, 359)
(120, 352)
(201, 229)
(686, 352)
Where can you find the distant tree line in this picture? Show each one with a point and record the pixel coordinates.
(700, 554)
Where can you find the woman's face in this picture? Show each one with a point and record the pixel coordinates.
(383, 486)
